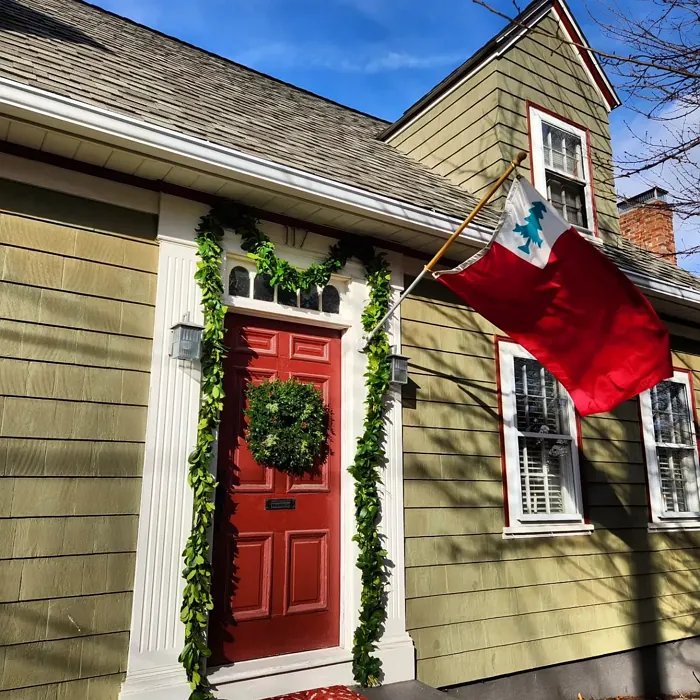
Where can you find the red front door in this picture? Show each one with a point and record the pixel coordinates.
(277, 538)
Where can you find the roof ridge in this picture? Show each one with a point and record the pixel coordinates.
(219, 57)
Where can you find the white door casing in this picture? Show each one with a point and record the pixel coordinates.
(156, 631)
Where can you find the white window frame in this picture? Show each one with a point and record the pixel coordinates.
(662, 520)
(522, 524)
(536, 118)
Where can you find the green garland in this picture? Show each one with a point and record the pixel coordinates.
(369, 457)
(366, 469)
(197, 600)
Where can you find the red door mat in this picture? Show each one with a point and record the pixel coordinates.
(336, 692)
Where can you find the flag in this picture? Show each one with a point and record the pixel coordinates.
(553, 292)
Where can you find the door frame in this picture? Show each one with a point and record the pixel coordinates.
(156, 632)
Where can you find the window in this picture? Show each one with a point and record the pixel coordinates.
(561, 167)
(671, 453)
(541, 449)
(326, 299)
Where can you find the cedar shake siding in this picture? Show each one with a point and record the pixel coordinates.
(472, 134)
(480, 606)
(76, 321)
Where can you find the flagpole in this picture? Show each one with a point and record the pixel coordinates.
(428, 268)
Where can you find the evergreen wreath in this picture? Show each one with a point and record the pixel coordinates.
(369, 455)
(287, 425)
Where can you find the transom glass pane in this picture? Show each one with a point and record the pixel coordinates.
(330, 300)
(562, 151)
(286, 298)
(262, 289)
(239, 282)
(309, 299)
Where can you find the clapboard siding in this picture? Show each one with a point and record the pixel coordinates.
(472, 134)
(479, 605)
(77, 292)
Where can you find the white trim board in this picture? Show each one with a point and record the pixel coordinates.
(53, 177)
(82, 119)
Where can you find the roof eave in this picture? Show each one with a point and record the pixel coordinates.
(85, 120)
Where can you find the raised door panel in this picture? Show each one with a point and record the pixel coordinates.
(309, 348)
(316, 481)
(306, 577)
(248, 475)
(249, 576)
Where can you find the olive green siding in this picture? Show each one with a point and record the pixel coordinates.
(472, 134)
(77, 298)
(480, 606)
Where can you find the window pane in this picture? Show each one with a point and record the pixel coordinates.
(541, 405)
(544, 462)
(676, 468)
(330, 300)
(669, 403)
(562, 151)
(309, 299)
(286, 298)
(262, 289)
(568, 198)
(239, 282)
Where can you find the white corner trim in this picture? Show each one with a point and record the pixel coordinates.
(51, 177)
(81, 118)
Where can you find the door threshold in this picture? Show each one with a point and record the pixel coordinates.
(276, 665)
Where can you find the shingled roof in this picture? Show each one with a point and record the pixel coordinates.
(80, 51)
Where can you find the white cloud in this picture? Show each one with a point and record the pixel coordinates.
(277, 54)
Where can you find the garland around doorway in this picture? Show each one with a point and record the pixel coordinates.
(369, 457)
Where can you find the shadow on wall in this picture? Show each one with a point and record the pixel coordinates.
(647, 591)
(18, 18)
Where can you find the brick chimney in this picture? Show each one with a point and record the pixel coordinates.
(647, 220)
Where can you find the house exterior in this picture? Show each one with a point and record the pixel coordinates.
(515, 563)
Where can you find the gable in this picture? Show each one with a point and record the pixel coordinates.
(530, 18)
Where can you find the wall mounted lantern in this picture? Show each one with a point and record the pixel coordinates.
(186, 340)
(399, 367)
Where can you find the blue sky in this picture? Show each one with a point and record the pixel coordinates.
(378, 56)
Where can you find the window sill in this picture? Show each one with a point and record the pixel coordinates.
(675, 526)
(547, 530)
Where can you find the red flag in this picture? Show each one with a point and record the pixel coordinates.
(557, 295)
